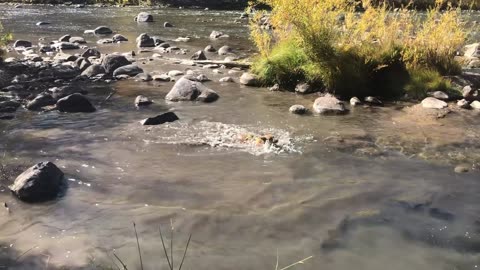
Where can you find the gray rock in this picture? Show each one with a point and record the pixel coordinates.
(433, 103)
(472, 50)
(274, 88)
(78, 40)
(102, 30)
(45, 48)
(143, 77)
(65, 46)
(174, 73)
(105, 41)
(210, 48)
(469, 93)
(304, 88)
(113, 61)
(75, 103)
(226, 79)
(373, 101)
(167, 25)
(41, 182)
(462, 168)
(64, 57)
(464, 104)
(162, 78)
(63, 91)
(329, 104)
(82, 63)
(94, 70)
(142, 101)
(217, 34)
(440, 95)
(475, 105)
(119, 38)
(22, 43)
(160, 119)
(59, 72)
(40, 101)
(202, 78)
(249, 79)
(157, 40)
(354, 101)
(186, 89)
(224, 50)
(164, 45)
(200, 55)
(91, 53)
(298, 109)
(144, 17)
(65, 38)
(130, 70)
(144, 40)
(9, 106)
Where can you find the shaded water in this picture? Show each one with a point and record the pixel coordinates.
(374, 189)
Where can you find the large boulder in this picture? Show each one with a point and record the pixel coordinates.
(188, 89)
(22, 43)
(144, 17)
(75, 103)
(144, 40)
(113, 61)
(102, 30)
(328, 104)
(41, 182)
(94, 70)
(249, 79)
(433, 103)
(40, 101)
(130, 70)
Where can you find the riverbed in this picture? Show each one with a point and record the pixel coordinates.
(374, 189)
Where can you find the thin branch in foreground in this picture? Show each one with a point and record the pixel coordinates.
(276, 265)
(165, 249)
(21, 255)
(299, 262)
(185, 253)
(171, 243)
(138, 246)
(121, 262)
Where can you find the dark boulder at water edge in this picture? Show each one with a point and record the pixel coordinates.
(75, 103)
(113, 61)
(41, 182)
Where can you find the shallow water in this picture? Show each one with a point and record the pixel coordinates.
(374, 189)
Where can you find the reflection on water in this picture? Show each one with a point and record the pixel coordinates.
(374, 189)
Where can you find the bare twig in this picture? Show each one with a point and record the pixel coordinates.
(21, 255)
(113, 261)
(276, 265)
(299, 262)
(138, 246)
(121, 262)
(185, 253)
(165, 249)
(171, 243)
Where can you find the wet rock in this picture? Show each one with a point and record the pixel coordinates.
(91, 53)
(224, 50)
(94, 70)
(475, 105)
(162, 78)
(304, 88)
(119, 38)
(142, 101)
(64, 57)
(183, 39)
(249, 79)
(191, 90)
(63, 91)
(274, 88)
(210, 48)
(160, 119)
(433, 103)
(105, 41)
(144, 17)
(113, 61)
(64, 38)
(440, 95)
(9, 106)
(163, 45)
(40, 101)
(65, 46)
(202, 78)
(42, 23)
(217, 34)
(59, 72)
(329, 104)
(462, 168)
(167, 25)
(143, 77)
(469, 93)
(78, 40)
(226, 79)
(6, 116)
(172, 49)
(354, 101)
(82, 63)
(41, 182)
(200, 55)
(102, 30)
(75, 103)
(144, 40)
(373, 101)
(464, 104)
(45, 49)
(130, 70)
(174, 73)
(22, 43)
(298, 109)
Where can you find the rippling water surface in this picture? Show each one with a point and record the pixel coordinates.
(374, 189)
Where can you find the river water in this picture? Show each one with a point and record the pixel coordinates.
(374, 189)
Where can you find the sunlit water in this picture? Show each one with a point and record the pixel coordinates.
(374, 189)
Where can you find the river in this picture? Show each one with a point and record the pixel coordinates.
(374, 189)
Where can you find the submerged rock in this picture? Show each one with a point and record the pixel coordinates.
(130, 70)
(298, 109)
(102, 30)
(329, 104)
(142, 101)
(167, 25)
(144, 17)
(75, 103)
(186, 89)
(41, 182)
(217, 34)
(40, 101)
(226, 79)
(433, 103)
(160, 119)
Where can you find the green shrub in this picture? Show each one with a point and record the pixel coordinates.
(424, 81)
